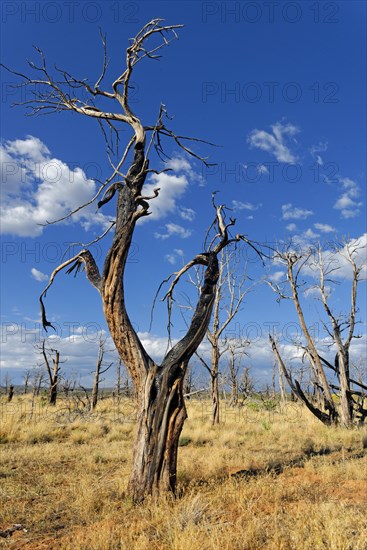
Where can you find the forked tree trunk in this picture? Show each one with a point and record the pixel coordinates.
(161, 417)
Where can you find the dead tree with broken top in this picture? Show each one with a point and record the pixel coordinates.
(159, 387)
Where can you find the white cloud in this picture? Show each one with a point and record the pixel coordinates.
(31, 148)
(315, 292)
(174, 256)
(78, 350)
(172, 188)
(187, 214)
(310, 234)
(170, 258)
(291, 227)
(179, 163)
(324, 227)
(38, 275)
(346, 203)
(274, 143)
(292, 212)
(277, 276)
(38, 188)
(320, 148)
(173, 229)
(238, 205)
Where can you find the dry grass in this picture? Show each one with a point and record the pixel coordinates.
(301, 485)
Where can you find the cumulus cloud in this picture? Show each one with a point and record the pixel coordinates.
(172, 188)
(38, 275)
(238, 205)
(291, 227)
(37, 188)
(324, 227)
(275, 143)
(292, 212)
(347, 203)
(173, 229)
(187, 214)
(277, 276)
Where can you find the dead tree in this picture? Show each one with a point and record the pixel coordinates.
(37, 380)
(161, 409)
(189, 380)
(10, 393)
(26, 379)
(236, 350)
(53, 372)
(282, 391)
(7, 382)
(324, 265)
(247, 384)
(118, 381)
(99, 370)
(229, 295)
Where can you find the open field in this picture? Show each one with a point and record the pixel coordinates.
(262, 479)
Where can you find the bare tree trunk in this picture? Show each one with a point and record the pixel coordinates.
(215, 385)
(53, 374)
(95, 389)
(54, 379)
(118, 383)
(233, 373)
(215, 399)
(313, 352)
(297, 392)
(283, 394)
(161, 417)
(26, 378)
(10, 393)
(346, 403)
(38, 384)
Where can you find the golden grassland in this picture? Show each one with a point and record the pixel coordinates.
(264, 479)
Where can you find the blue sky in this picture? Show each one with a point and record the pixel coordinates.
(279, 87)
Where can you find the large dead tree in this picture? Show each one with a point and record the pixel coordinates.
(161, 409)
(324, 266)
